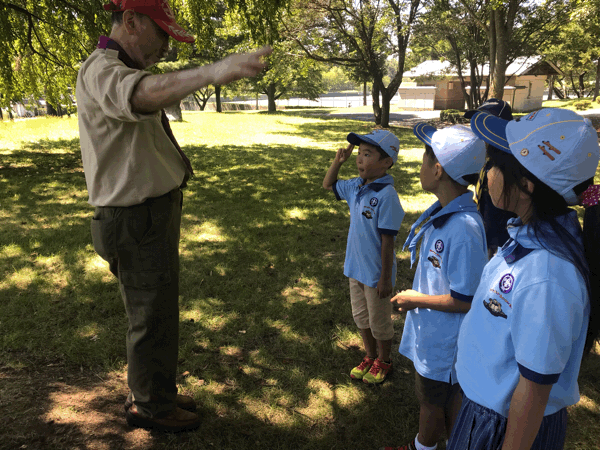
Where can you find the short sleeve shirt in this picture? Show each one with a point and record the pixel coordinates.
(374, 210)
(127, 157)
(452, 256)
(529, 317)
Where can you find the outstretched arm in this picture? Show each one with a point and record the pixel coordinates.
(156, 92)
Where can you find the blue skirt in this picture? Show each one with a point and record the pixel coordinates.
(480, 428)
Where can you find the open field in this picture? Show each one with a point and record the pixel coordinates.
(266, 333)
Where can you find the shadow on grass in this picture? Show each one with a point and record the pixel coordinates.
(266, 337)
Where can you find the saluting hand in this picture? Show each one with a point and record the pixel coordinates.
(343, 154)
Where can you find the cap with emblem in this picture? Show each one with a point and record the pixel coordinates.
(157, 10)
(558, 146)
(457, 149)
(384, 139)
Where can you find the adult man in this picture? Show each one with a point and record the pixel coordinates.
(134, 172)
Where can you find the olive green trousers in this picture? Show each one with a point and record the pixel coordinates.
(141, 245)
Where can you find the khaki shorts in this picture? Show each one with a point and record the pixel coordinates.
(370, 311)
(433, 392)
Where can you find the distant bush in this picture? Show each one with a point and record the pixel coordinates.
(582, 105)
(598, 99)
(452, 116)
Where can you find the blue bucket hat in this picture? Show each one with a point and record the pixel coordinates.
(495, 107)
(457, 148)
(558, 146)
(384, 139)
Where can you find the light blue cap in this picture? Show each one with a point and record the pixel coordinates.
(556, 145)
(457, 148)
(384, 139)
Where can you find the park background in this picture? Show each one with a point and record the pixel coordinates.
(266, 333)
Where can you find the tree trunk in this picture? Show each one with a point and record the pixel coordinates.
(174, 112)
(1, 116)
(50, 109)
(582, 84)
(364, 93)
(271, 90)
(218, 99)
(550, 86)
(597, 84)
(386, 97)
(498, 77)
(376, 106)
(573, 86)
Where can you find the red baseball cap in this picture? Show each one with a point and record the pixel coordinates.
(157, 10)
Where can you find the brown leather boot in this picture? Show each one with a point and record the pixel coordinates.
(183, 401)
(178, 420)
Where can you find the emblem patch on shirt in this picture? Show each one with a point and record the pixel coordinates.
(439, 246)
(495, 308)
(506, 283)
(434, 261)
(374, 202)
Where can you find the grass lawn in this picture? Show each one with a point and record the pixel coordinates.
(567, 103)
(266, 336)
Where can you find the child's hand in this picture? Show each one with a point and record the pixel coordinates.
(402, 301)
(342, 154)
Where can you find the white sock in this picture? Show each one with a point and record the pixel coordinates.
(421, 446)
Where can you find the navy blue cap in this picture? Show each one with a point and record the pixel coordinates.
(495, 107)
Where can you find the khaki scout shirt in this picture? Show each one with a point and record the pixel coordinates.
(127, 157)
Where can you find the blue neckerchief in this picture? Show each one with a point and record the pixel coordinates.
(462, 203)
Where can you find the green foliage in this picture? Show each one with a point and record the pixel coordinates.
(336, 80)
(582, 105)
(452, 116)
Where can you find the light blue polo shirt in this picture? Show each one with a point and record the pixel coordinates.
(374, 210)
(452, 256)
(529, 317)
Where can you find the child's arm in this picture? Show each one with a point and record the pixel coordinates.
(384, 286)
(341, 157)
(525, 415)
(409, 299)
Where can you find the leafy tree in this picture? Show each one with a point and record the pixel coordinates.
(576, 50)
(515, 28)
(42, 45)
(289, 74)
(358, 35)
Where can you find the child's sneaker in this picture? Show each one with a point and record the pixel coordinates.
(409, 446)
(363, 368)
(378, 373)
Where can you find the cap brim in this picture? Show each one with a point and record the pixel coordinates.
(356, 139)
(424, 132)
(490, 129)
(175, 31)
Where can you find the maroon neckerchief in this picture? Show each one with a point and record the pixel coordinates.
(105, 42)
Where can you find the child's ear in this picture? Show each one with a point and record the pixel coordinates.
(439, 171)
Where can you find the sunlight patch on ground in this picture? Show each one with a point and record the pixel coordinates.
(11, 251)
(206, 232)
(588, 403)
(21, 279)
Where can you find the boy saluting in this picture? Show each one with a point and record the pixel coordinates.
(370, 264)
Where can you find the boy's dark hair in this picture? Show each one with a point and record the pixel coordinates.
(471, 178)
(546, 206)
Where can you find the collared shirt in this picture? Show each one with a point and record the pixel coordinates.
(374, 210)
(127, 157)
(452, 256)
(529, 317)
